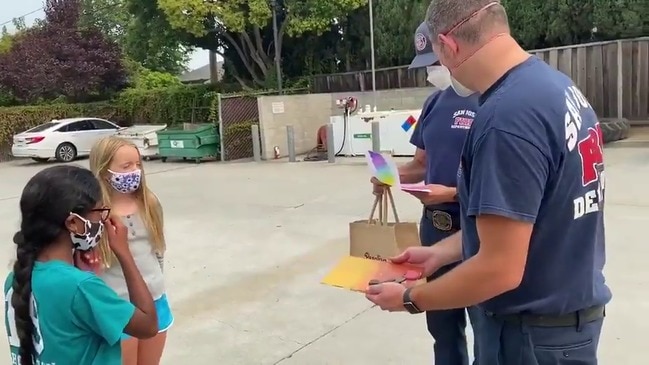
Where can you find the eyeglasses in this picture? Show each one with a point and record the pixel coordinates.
(105, 212)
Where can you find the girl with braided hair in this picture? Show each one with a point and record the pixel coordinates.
(56, 313)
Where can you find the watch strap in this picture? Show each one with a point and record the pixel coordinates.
(410, 306)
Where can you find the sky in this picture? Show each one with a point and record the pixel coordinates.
(10, 9)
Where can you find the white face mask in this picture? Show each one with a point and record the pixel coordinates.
(439, 77)
(460, 89)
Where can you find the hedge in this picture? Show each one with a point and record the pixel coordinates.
(173, 105)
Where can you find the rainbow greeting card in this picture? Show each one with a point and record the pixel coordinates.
(355, 273)
(383, 169)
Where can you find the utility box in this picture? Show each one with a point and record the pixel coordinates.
(353, 135)
(189, 141)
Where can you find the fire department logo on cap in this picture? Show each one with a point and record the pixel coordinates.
(420, 42)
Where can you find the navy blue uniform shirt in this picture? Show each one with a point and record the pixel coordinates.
(534, 154)
(441, 130)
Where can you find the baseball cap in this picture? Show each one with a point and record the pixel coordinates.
(424, 49)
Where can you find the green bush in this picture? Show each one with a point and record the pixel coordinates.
(6, 98)
(20, 118)
(150, 80)
(169, 106)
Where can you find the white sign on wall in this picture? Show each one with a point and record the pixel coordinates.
(278, 107)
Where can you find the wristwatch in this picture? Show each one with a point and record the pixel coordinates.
(410, 306)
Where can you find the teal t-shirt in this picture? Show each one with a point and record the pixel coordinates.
(78, 318)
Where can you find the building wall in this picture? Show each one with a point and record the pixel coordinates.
(306, 113)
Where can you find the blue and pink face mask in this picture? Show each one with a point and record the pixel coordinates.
(125, 182)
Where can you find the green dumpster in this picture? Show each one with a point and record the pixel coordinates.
(189, 141)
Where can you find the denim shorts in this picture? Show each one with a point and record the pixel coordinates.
(165, 317)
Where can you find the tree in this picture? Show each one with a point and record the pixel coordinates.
(529, 21)
(242, 27)
(151, 41)
(395, 22)
(6, 38)
(541, 24)
(353, 46)
(140, 29)
(614, 19)
(109, 16)
(60, 59)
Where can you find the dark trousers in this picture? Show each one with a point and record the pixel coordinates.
(510, 343)
(447, 326)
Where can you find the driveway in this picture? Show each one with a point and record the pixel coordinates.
(249, 243)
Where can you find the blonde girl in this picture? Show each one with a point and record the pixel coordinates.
(117, 164)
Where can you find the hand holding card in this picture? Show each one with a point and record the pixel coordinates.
(415, 188)
(432, 193)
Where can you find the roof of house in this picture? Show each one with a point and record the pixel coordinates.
(201, 73)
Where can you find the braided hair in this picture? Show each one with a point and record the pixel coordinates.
(46, 202)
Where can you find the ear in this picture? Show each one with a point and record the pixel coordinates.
(448, 42)
(73, 223)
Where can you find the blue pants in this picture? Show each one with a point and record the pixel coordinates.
(447, 326)
(509, 343)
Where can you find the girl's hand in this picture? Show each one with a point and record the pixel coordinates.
(88, 260)
(117, 236)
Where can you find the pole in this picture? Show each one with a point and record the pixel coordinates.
(290, 138)
(620, 81)
(278, 68)
(372, 51)
(256, 144)
(376, 137)
(219, 101)
(331, 148)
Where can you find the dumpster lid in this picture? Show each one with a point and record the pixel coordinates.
(141, 129)
(188, 128)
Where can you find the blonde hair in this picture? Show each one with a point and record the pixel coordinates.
(101, 155)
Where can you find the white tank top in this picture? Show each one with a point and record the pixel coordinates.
(145, 259)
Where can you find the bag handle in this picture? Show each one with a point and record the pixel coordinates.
(381, 202)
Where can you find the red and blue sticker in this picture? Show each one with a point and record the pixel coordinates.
(409, 123)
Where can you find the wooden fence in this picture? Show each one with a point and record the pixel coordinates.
(613, 75)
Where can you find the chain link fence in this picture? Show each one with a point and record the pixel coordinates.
(237, 113)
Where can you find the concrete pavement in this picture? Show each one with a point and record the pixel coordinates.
(248, 244)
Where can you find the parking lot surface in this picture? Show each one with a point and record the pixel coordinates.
(249, 242)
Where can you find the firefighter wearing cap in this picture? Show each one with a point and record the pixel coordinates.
(532, 188)
(439, 136)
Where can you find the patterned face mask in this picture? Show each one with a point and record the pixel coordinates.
(90, 238)
(125, 182)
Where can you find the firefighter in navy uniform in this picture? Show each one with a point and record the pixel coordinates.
(439, 135)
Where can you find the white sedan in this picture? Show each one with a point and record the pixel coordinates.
(63, 139)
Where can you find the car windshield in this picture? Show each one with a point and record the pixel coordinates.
(42, 127)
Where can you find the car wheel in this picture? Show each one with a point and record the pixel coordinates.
(40, 159)
(66, 152)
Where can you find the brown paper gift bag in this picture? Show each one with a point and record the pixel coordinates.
(380, 239)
